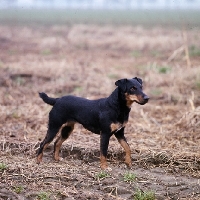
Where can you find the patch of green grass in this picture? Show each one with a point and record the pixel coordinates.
(144, 195)
(194, 51)
(12, 52)
(18, 189)
(43, 196)
(78, 89)
(156, 92)
(129, 177)
(118, 67)
(46, 52)
(155, 53)
(3, 166)
(113, 76)
(1, 64)
(164, 69)
(136, 53)
(102, 175)
(19, 81)
(15, 115)
(142, 67)
(82, 45)
(198, 85)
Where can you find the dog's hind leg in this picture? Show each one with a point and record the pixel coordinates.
(65, 133)
(51, 133)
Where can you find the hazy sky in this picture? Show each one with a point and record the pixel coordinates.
(104, 3)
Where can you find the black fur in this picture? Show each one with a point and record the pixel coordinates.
(106, 116)
(48, 100)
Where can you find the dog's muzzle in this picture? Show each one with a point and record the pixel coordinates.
(144, 100)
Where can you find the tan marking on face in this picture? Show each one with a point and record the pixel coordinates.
(127, 150)
(117, 126)
(130, 98)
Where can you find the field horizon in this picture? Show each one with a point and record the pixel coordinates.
(179, 19)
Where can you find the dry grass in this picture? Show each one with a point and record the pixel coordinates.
(86, 61)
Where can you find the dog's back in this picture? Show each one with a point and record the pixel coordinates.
(78, 110)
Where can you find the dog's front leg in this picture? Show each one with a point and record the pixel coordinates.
(122, 140)
(104, 142)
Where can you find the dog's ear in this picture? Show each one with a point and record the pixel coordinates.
(138, 79)
(121, 84)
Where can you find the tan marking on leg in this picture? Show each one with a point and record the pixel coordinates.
(39, 157)
(45, 146)
(103, 162)
(127, 150)
(59, 142)
(125, 123)
(66, 124)
(117, 126)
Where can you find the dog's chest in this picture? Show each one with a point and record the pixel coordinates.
(122, 120)
(117, 126)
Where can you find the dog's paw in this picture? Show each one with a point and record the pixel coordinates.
(58, 159)
(38, 162)
(108, 169)
(128, 163)
(39, 159)
(61, 159)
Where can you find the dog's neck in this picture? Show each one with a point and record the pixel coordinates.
(117, 101)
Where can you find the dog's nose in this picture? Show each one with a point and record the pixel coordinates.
(146, 98)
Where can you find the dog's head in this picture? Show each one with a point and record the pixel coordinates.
(132, 90)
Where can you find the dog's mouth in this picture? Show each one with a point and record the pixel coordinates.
(142, 102)
(137, 98)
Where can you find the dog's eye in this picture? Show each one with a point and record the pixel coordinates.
(133, 89)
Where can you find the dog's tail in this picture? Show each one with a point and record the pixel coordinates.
(48, 100)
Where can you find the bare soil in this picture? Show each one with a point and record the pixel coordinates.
(86, 60)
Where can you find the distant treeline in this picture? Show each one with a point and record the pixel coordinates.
(102, 4)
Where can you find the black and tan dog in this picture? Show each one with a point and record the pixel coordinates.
(106, 116)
